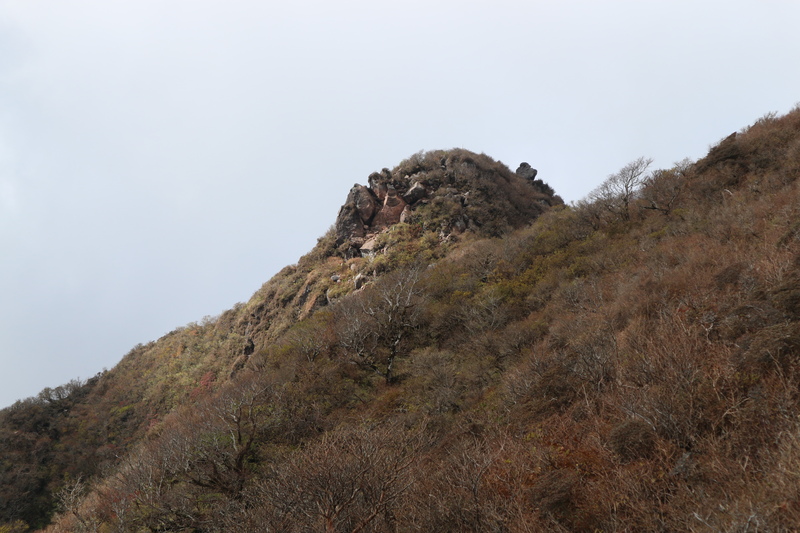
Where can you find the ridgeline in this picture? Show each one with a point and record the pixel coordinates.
(464, 352)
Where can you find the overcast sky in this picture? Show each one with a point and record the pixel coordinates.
(161, 159)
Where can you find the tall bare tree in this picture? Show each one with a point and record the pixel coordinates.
(373, 325)
(619, 189)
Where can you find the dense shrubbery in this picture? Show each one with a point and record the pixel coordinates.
(604, 369)
(495, 202)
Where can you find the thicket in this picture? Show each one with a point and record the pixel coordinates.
(603, 369)
(472, 191)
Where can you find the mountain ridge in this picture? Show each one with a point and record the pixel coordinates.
(594, 367)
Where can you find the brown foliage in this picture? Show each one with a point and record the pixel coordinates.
(625, 369)
(632, 439)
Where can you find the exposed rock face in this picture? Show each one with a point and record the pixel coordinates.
(526, 171)
(391, 211)
(379, 182)
(405, 216)
(356, 213)
(369, 246)
(365, 203)
(529, 173)
(359, 281)
(455, 190)
(416, 193)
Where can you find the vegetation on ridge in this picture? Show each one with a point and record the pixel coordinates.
(629, 363)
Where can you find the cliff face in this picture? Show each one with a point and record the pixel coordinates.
(447, 191)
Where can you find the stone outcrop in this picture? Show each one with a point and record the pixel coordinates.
(370, 210)
(526, 171)
(356, 214)
(463, 191)
(365, 204)
(389, 215)
(529, 173)
(416, 193)
(379, 183)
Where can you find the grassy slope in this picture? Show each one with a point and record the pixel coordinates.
(79, 430)
(585, 373)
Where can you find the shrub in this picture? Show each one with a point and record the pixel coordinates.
(632, 439)
(554, 493)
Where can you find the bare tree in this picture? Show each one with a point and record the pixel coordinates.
(70, 497)
(618, 190)
(350, 479)
(373, 325)
(662, 188)
(194, 472)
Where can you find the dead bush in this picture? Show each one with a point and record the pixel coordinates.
(554, 493)
(772, 348)
(632, 439)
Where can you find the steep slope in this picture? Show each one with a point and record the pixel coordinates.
(74, 432)
(629, 363)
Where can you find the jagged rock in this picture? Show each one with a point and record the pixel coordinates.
(526, 171)
(357, 211)
(416, 193)
(365, 204)
(471, 190)
(369, 246)
(348, 221)
(379, 183)
(390, 213)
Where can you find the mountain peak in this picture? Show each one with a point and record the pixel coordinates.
(449, 191)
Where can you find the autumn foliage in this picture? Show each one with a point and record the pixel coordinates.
(629, 363)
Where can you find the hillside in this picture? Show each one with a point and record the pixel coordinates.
(486, 360)
(78, 430)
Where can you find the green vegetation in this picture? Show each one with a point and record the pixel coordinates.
(626, 364)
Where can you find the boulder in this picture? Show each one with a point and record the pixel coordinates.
(365, 203)
(358, 210)
(377, 183)
(526, 171)
(390, 213)
(369, 246)
(359, 281)
(529, 174)
(416, 193)
(348, 224)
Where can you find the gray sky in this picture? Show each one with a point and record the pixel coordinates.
(161, 159)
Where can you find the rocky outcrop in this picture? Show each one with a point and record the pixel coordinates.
(356, 214)
(389, 215)
(370, 210)
(445, 191)
(526, 171)
(365, 204)
(379, 183)
(416, 193)
(529, 173)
